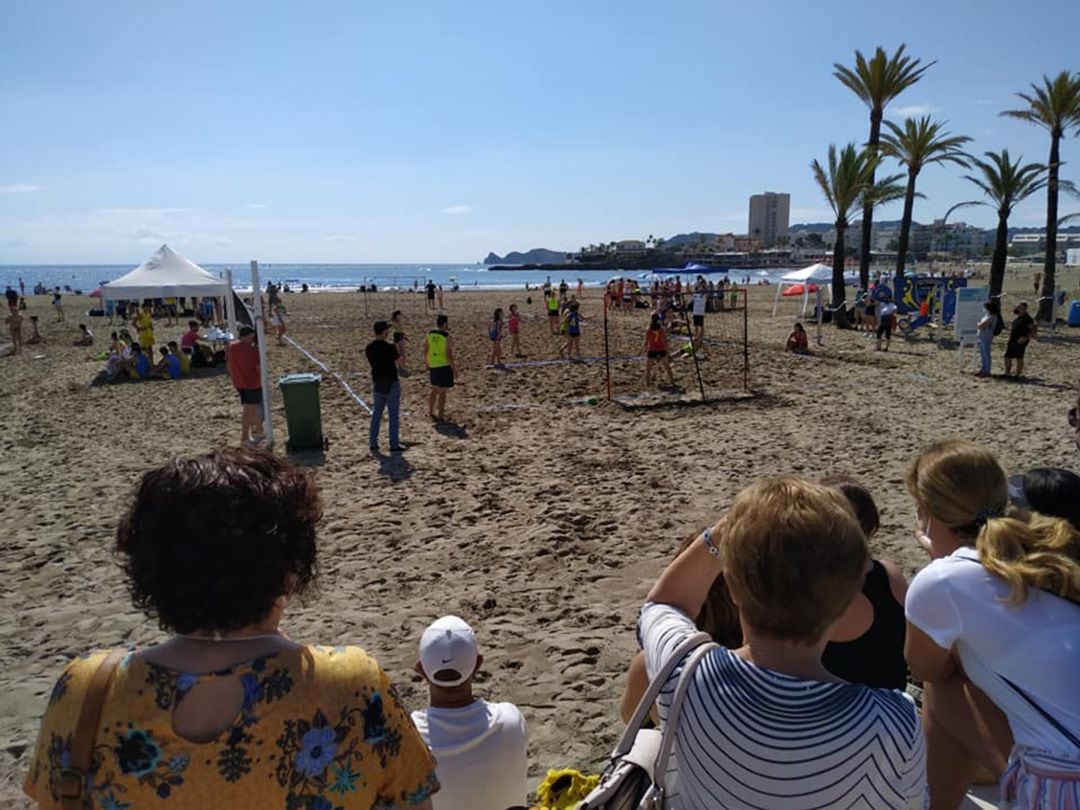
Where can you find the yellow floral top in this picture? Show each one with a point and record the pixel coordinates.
(319, 729)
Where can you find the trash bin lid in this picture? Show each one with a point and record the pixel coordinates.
(299, 379)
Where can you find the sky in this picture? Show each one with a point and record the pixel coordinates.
(401, 131)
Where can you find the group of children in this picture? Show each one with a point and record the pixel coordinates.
(131, 359)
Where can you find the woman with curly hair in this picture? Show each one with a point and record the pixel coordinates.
(993, 628)
(228, 711)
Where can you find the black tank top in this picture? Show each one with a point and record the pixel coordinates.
(876, 658)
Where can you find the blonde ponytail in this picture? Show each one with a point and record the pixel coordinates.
(1032, 551)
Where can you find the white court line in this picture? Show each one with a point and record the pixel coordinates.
(334, 374)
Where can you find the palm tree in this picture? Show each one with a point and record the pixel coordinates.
(1055, 106)
(918, 143)
(1006, 184)
(877, 82)
(848, 182)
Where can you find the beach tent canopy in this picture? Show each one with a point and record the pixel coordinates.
(803, 278)
(166, 274)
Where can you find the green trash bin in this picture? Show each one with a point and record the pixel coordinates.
(303, 414)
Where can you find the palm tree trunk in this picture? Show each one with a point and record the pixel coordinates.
(838, 275)
(905, 227)
(1001, 253)
(1046, 303)
(868, 209)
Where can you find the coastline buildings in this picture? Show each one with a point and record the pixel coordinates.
(769, 214)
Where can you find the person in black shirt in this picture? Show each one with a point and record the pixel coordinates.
(1022, 331)
(382, 355)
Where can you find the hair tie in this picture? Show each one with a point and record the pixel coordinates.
(985, 514)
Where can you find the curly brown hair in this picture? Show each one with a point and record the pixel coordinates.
(211, 542)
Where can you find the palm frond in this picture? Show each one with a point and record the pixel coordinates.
(882, 78)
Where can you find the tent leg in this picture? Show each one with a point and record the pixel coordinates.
(260, 339)
(230, 305)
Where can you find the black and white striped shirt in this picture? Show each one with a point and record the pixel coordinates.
(751, 737)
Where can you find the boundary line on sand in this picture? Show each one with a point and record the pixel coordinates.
(336, 375)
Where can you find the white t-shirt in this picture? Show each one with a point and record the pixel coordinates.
(749, 737)
(886, 310)
(481, 755)
(1036, 645)
(699, 303)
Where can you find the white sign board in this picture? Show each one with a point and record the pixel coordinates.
(1072, 257)
(969, 311)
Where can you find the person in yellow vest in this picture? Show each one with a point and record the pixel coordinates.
(439, 361)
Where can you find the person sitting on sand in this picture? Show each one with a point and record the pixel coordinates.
(140, 368)
(495, 335)
(797, 341)
(866, 645)
(86, 337)
(480, 747)
(1050, 491)
(794, 557)
(228, 706)
(168, 368)
(181, 357)
(992, 627)
(35, 332)
(14, 324)
(656, 351)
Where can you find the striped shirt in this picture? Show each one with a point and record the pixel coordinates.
(750, 737)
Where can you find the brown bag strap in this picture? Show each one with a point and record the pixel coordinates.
(73, 778)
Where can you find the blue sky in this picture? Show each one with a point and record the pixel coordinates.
(437, 131)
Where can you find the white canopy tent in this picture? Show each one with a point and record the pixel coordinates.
(816, 274)
(166, 274)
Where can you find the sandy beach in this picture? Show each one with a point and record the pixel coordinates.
(539, 519)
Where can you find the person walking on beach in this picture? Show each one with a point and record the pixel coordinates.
(439, 361)
(988, 326)
(12, 298)
(495, 334)
(514, 327)
(242, 358)
(429, 288)
(480, 747)
(700, 297)
(14, 322)
(57, 305)
(400, 341)
(439, 295)
(1021, 332)
(886, 321)
(564, 289)
(383, 358)
(277, 319)
(572, 320)
(552, 311)
(656, 351)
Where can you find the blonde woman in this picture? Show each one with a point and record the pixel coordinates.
(993, 628)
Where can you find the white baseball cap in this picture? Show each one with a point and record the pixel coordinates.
(448, 646)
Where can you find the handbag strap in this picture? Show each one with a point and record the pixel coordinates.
(73, 777)
(1045, 714)
(667, 739)
(626, 742)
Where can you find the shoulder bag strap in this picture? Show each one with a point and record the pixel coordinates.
(667, 740)
(73, 778)
(1045, 714)
(626, 742)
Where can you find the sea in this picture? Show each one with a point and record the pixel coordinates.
(76, 278)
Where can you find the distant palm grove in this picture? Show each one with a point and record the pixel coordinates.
(850, 178)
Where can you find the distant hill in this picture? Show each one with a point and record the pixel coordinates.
(534, 256)
(692, 238)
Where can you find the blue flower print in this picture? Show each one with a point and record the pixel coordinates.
(185, 681)
(374, 720)
(317, 748)
(178, 764)
(252, 690)
(137, 753)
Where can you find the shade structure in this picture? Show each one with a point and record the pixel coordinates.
(803, 278)
(166, 274)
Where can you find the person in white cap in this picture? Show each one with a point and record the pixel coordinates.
(480, 747)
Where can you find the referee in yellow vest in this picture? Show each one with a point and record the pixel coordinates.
(439, 360)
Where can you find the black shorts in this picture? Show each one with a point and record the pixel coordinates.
(250, 396)
(656, 355)
(442, 377)
(884, 329)
(1015, 351)
(699, 320)
(398, 337)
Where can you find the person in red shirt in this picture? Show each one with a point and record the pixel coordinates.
(656, 351)
(243, 360)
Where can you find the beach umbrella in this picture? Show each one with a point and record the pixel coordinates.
(798, 289)
(96, 293)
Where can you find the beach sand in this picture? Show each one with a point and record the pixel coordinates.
(540, 521)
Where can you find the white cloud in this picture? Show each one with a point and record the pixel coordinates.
(339, 237)
(911, 111)
(19, 188)
(254, 205)
(457, 210)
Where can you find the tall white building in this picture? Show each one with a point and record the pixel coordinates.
(769, 214)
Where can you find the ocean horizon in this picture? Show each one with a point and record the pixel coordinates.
(85, 278)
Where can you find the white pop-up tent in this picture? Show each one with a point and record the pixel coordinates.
(166, 274)
(816, 274)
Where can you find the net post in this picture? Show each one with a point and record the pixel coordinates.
(607, 350)
(746, 341)
(693, 349)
